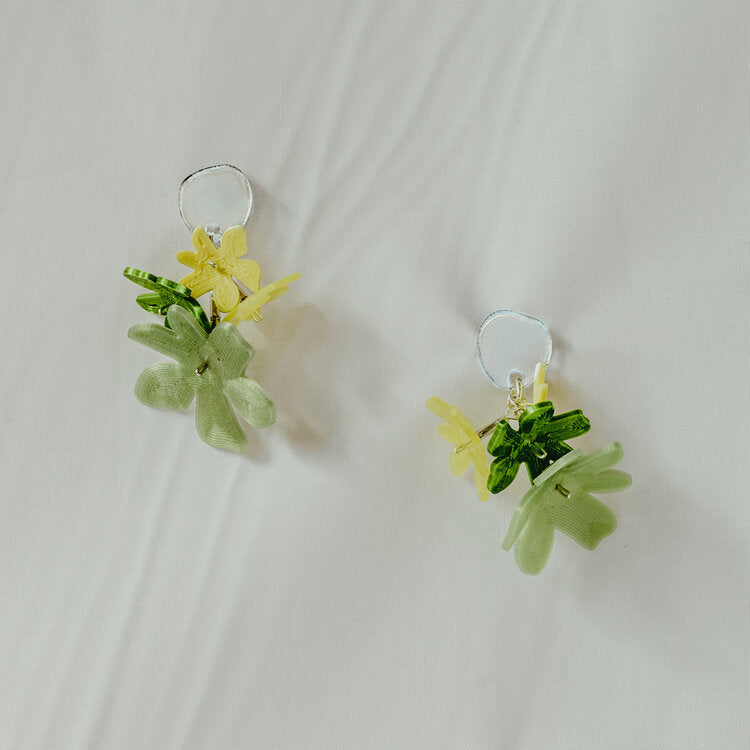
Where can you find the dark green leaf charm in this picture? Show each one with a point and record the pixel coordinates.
(164, 293)
(538, 442)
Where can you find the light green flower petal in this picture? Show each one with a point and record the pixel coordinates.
(535, 543)
(610, 480)
(529, 503)
(216, 423)
(157, 337)
(583, 518)
(251, 401)
(231, 349)
(164, 385)
(597, 461)
(190, 333)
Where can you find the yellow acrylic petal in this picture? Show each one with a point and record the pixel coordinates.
(248, 272)
(203, 245)
(459, 462)
(200, 281)
(438, 407)
(226, 294)
(233, 244)
(189, 258)
(480, 483)
(540, 387)
(451, 434)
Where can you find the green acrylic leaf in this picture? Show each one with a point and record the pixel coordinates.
(561, 499)
(210, 367)
(163, 294)
(538, 442)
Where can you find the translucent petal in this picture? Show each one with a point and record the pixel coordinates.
(157, 337)
(535, 543)
(598, 461)
(583, 518)
(459, 462)
(609, 480)
(164, 385)
(529, 503)
(440, 408)
(216, 423)
(480, 482)
(192, 335)
(451, 434)
(232, 351)
(251, 401)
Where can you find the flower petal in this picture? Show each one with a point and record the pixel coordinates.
(502, 473)
(251, 401)
(535, 543)
(583, 518)
(504, 439)
(440, 408)
(226, 293)
(159, 338)
(233, 243)
(480, 483)
(459, 462)
(232, 351)
(565, 426)
(201, 281)
(598, 461)
(164, 385)
(529, 503)
(189, 258)
(248, 272)
(610, 480)
(192, 335)
(451, 434)
(204, 246)
(216, 423)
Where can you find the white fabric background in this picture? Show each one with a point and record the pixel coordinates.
(421, 164)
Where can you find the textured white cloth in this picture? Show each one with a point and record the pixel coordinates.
(421, 164)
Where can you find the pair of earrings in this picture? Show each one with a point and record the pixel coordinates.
(511, 346)
(211, 357)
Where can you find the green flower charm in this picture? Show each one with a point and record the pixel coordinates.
(165, 293)
(209, 367)
(560, 499)
(538, 442)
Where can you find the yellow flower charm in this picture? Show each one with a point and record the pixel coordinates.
(216, 268)
(458, 430)
(250, 306)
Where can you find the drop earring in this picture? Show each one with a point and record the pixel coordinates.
(211, 355)
(510, 346)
